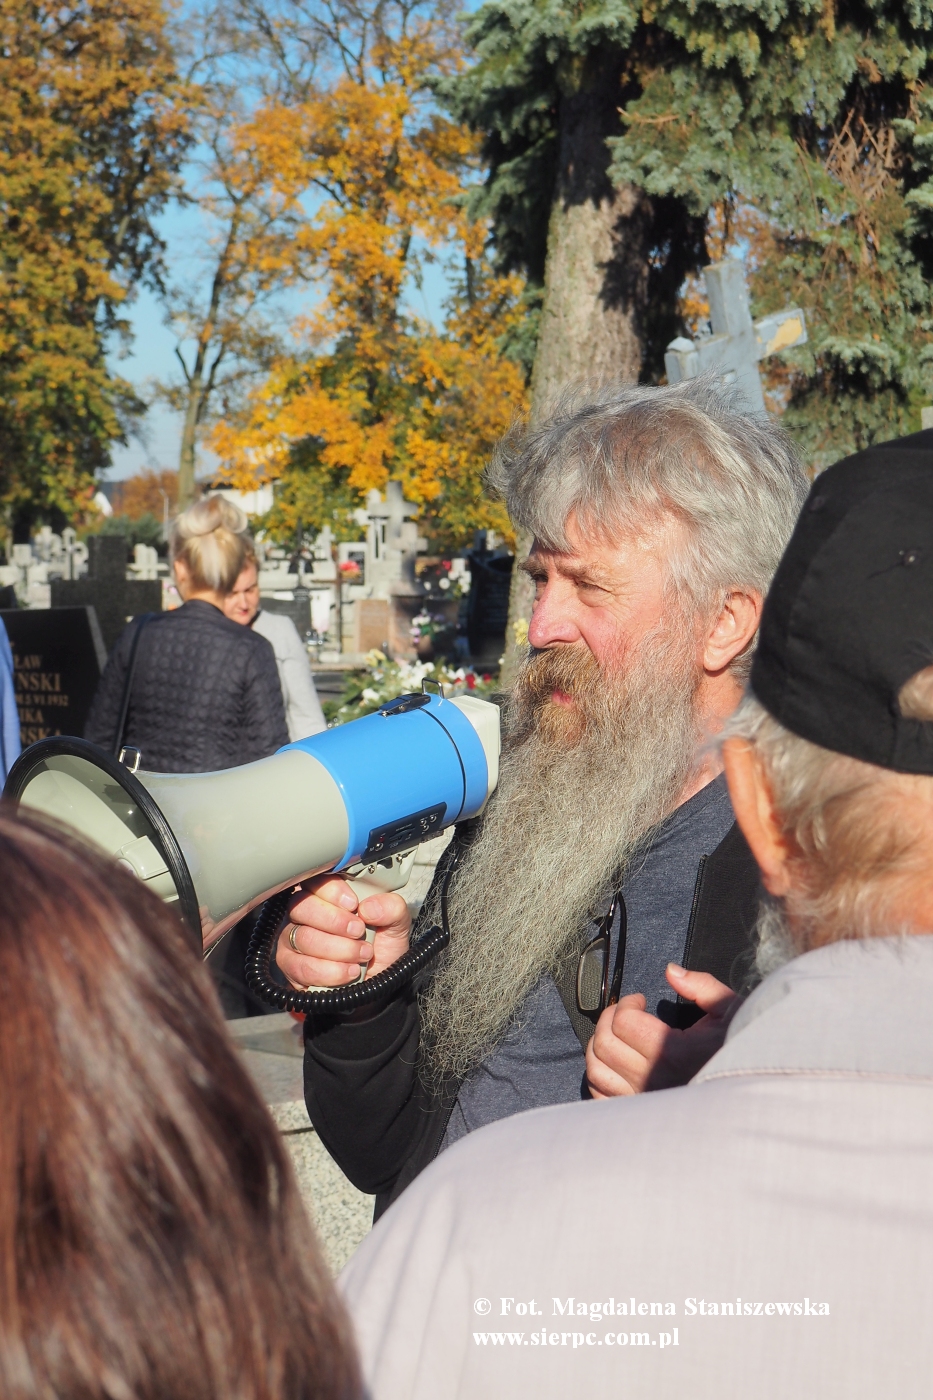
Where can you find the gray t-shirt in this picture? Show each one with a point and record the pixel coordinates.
(540, 1061)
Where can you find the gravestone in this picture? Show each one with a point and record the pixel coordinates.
(106, 588)
(58, 656)
(487, 609)
(298, 608)
(392, 547)
(372, 624)
(737, 342)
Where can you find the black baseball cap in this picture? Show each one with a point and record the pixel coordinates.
(849, 616)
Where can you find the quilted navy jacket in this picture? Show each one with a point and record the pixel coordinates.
(205, 693)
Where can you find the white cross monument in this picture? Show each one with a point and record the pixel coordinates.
(737, 342)
(392, 544)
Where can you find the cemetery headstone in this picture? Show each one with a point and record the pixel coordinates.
(488, 604)
(58, 656)
(115, 598)
(737, 342)
(392, 547)
(298, 608)
(372, 624)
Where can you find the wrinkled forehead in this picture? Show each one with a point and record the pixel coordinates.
(588, 544)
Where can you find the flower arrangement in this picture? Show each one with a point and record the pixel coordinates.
(425, 624)
(449, 582)
(381, 680)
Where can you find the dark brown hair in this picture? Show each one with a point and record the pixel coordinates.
(152, 1242)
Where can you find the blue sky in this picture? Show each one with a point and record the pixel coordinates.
(153, 357)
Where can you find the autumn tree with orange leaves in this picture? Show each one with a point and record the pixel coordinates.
(93, 128)
(220, 303)
(369, 391)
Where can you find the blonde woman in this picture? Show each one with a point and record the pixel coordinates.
(303, 712)
(192, 690)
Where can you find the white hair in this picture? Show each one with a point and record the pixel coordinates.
(620, 459)
(858, 835)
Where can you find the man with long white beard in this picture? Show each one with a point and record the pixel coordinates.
(658, 516)
(765, 1231)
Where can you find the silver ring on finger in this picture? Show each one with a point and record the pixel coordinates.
(292, 930)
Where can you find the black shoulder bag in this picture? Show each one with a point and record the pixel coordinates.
(141, 622)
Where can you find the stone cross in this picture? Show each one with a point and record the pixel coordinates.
(392, 543)
(737, 342)
(106, 588)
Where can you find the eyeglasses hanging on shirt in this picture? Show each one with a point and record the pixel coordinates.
(595, 988)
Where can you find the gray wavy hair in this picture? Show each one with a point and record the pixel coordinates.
(857, 834)
(617, 459)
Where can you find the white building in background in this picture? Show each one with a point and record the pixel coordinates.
(255, 502)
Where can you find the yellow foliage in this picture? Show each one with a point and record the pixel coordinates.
(93, 125)
(378, 178)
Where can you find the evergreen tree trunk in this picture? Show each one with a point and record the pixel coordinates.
(596, 277)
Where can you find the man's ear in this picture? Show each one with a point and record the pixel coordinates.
(733, 630)
(753, 804)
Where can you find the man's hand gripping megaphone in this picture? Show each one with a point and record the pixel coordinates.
(324, 942)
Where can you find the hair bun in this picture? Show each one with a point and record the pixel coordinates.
(212, 539)
(209, 514)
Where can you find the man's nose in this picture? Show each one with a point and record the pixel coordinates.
(552, 621)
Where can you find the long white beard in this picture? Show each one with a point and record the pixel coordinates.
(579, 787)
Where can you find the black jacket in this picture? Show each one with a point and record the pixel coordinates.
(205, 693)
(362, 1089)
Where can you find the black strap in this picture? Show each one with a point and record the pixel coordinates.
(725, 915)
(142, 621)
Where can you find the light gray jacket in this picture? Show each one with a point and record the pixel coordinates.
(303, 713)
(765, 1233)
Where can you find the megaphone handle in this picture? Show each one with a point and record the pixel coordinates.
(370, 934)
(379, 877)
(335, 1000)
(330, 1000)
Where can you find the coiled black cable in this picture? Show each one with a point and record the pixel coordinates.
(337, 999)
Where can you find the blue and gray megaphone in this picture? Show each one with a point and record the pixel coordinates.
(358, 799)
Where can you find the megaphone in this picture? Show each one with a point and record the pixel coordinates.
(358, 799)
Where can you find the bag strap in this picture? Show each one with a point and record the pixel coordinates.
(141, 622)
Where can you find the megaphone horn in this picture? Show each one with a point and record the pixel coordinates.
(358, 798)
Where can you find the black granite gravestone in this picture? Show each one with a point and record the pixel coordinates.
(298, 608)
(488, 604)
(58, 655)
(115, 598)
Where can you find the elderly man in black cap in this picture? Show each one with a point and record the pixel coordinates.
(767, 1230)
